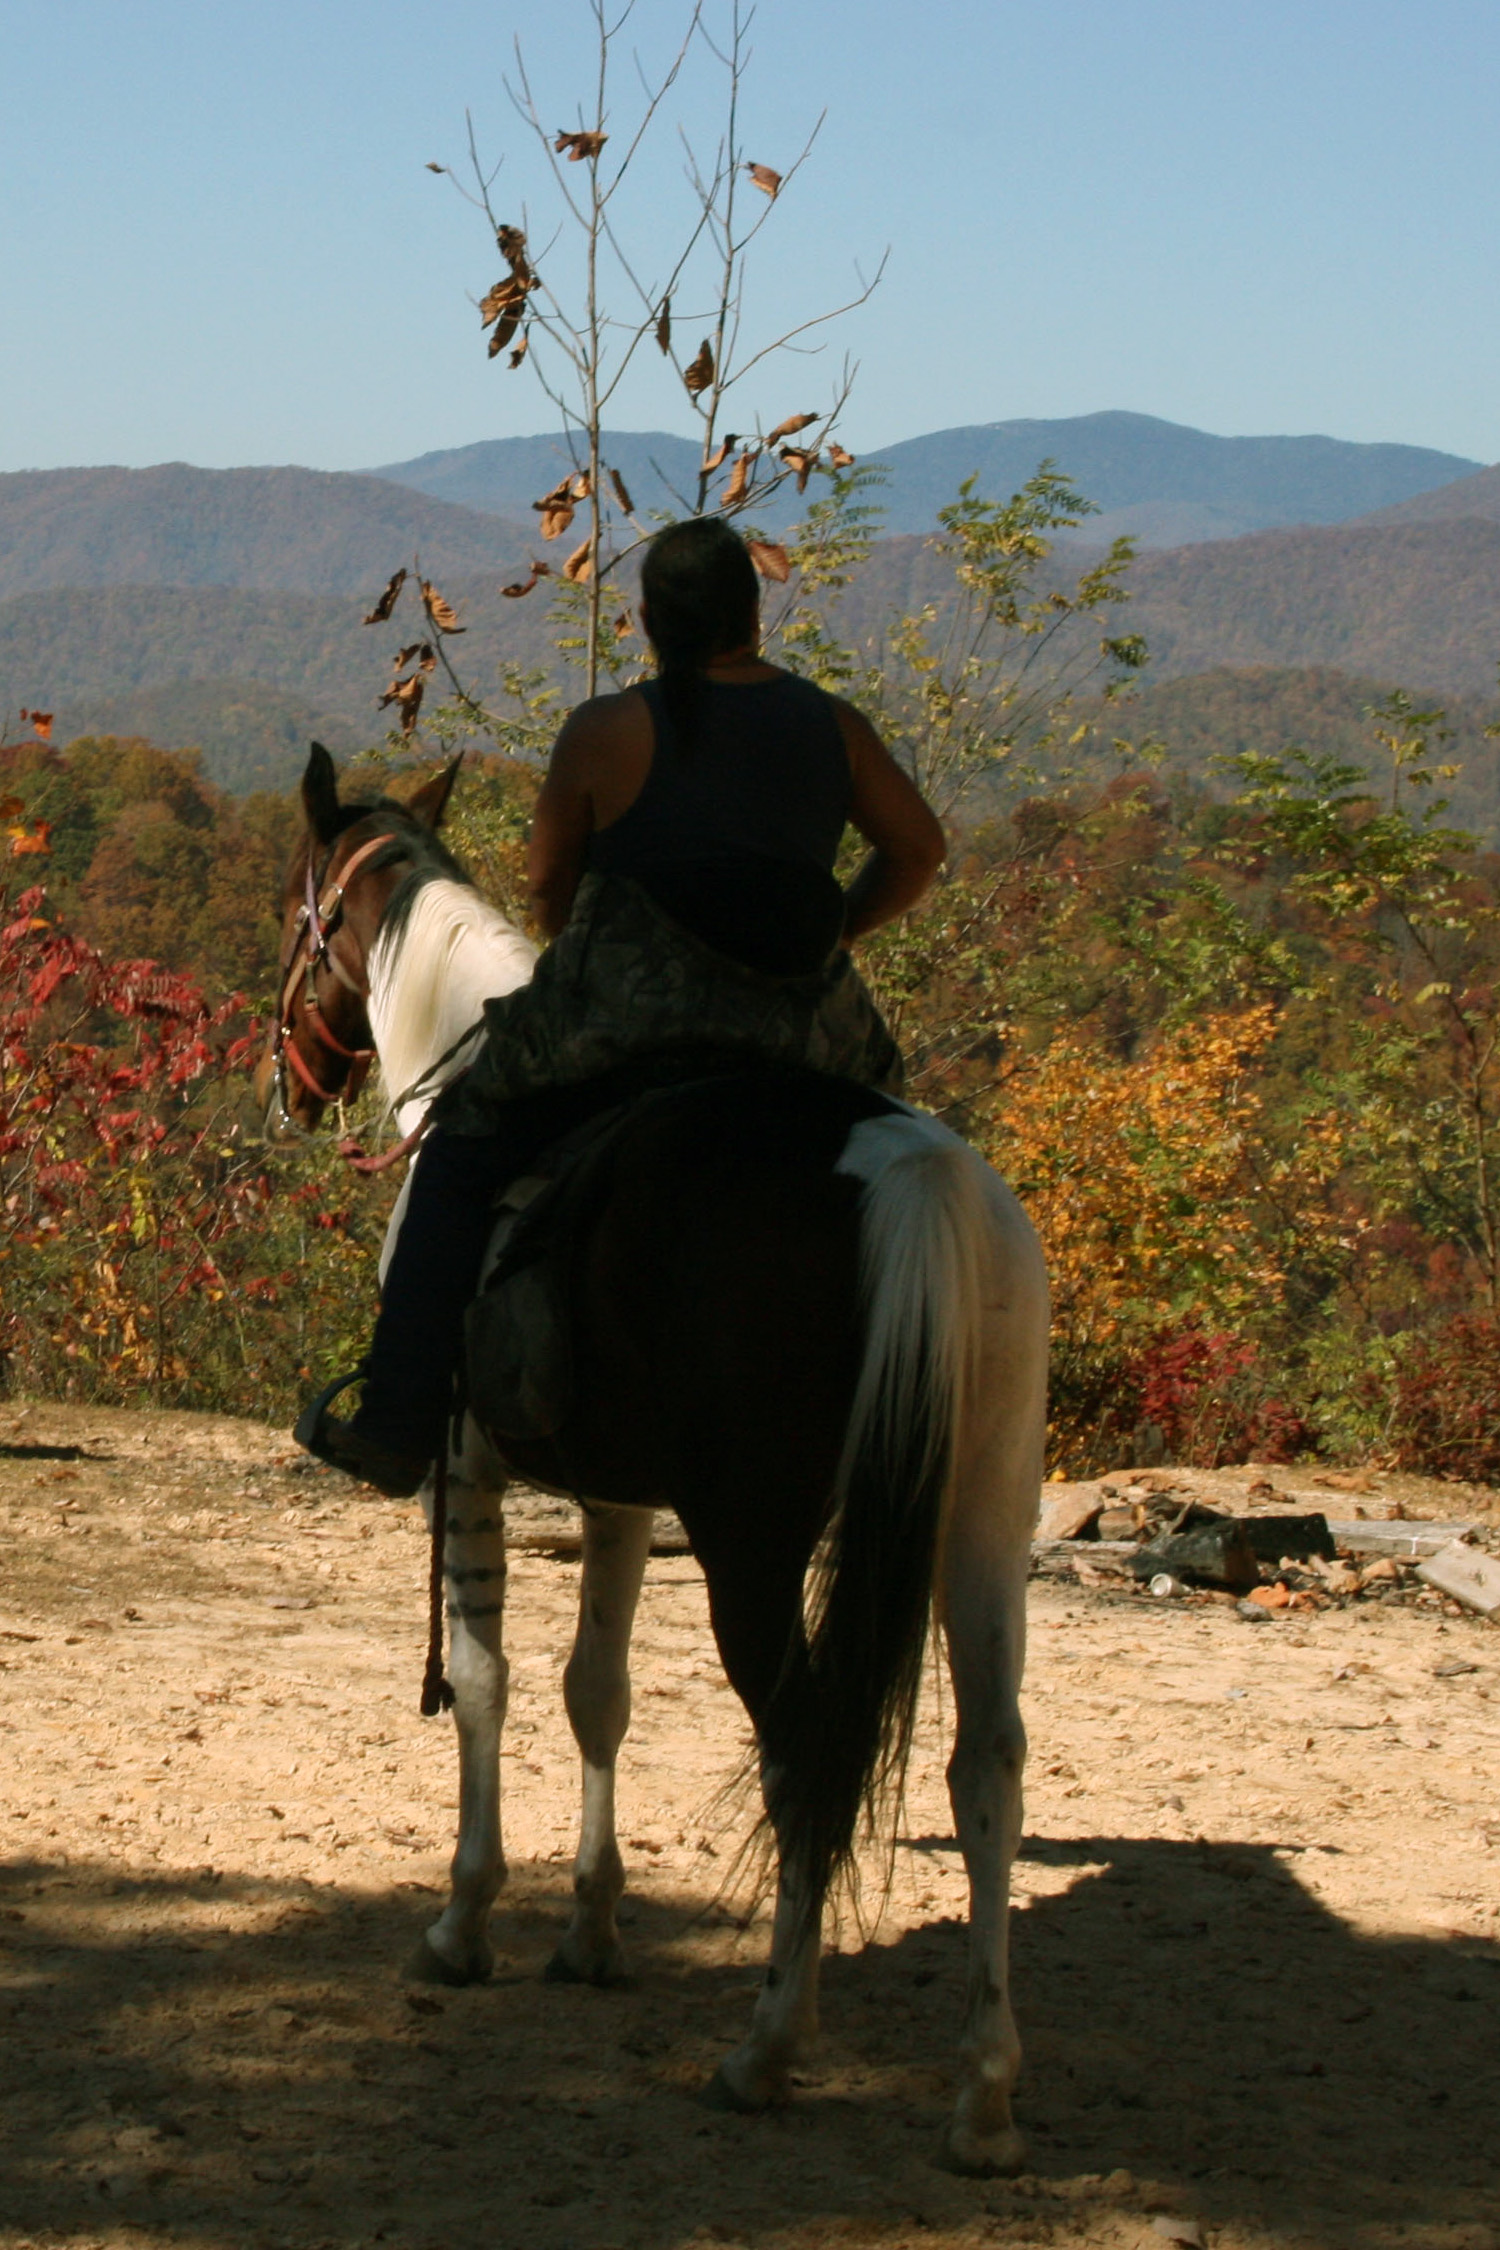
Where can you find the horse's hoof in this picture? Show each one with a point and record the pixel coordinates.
(982, 2156)
(609, 1975)
(428, 1966)
(722, 2094)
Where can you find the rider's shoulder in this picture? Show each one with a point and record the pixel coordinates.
(604, 720)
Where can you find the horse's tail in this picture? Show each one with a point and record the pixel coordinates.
(837, 1733)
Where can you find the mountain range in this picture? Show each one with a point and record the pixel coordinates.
(222, 607)
(1163, 483)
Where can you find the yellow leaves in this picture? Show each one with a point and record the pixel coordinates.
(1136, 1175)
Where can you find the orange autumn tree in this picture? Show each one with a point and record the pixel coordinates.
(1148, 1182)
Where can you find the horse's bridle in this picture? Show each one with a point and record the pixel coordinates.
(318, 918)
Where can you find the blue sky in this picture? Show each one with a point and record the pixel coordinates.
(218, 242)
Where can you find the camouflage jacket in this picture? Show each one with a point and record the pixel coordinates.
(623, 981)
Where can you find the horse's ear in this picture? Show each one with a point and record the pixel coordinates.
(430, 802)
(320, 795)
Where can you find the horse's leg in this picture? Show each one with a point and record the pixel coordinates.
(982, 1604)
(755, 1590)
(784, 2023)
(456, 1949)
(596, 1688)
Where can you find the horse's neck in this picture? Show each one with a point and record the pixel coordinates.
(429, 987)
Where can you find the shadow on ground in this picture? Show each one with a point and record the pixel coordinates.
(205, 2060)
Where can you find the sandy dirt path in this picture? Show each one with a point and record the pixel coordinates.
(1257, 1957)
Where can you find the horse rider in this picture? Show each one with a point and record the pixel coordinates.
(681, 861)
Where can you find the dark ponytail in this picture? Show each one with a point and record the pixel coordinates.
(702, 597)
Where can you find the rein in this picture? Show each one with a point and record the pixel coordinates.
(318, 919)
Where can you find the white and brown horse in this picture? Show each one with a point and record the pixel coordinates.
(812, 1321)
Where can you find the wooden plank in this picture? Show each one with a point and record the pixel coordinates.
(1469, 1575)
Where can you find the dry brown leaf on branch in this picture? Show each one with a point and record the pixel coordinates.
(765, 178)
(505, 328)
(509, 293)
(437, 167)
(739, 477)
(511, 242)
(770, 560)
(581, 486)
(407, 696)
(799, 458)
(443, 614)
(579, 568)
(556, 509)
(519, 586)
(622, 493)
(387, 601)
(717, 460)
(838, 457)
(699, 372)
(518, 354)
(41, 725)
(664, 325)
(623, 626)
(576, 146)
(422, 649)
(790, 427)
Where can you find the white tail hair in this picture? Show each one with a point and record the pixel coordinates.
(925, 1228)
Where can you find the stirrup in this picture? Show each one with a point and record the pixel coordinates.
(397, 1474)
(308, 1427)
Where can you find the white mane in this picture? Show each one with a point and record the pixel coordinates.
(429, 984)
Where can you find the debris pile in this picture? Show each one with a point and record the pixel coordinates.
(1151, 1533)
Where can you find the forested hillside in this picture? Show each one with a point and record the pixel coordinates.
(294, 529)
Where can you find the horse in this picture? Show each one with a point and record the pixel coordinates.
(811, 1320)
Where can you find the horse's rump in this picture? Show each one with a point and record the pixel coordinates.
(680, 1298)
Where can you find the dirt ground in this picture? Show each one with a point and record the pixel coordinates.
(1257, 1957)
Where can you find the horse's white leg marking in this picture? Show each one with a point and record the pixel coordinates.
(982, 1605)
(456, 1949)
(785, 2020)
(596, 1687)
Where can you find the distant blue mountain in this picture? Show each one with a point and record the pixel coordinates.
(1169, 485)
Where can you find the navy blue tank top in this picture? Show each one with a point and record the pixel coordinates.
(736, 835)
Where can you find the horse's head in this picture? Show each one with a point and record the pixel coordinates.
(338, 884)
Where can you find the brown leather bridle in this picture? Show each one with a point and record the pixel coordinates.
(318, 919)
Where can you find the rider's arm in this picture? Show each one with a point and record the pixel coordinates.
(562, 823)
(892, 815)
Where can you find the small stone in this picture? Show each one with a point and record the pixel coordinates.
(1171, 2228)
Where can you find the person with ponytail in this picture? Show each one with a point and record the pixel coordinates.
(682, 863)
(723, 786)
